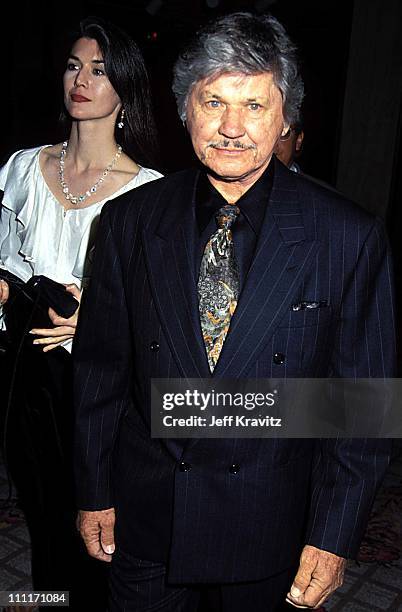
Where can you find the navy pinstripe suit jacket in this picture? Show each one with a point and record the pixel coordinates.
(208, 524)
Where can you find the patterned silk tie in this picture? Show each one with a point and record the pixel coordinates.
(218, 284)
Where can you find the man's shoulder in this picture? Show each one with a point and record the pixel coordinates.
(327, 200)
(163, 185)
(151, 196)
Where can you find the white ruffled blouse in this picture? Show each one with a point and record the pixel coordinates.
(37, 235)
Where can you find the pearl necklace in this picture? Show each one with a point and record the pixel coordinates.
(80, 198)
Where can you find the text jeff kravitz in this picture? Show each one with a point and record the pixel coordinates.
(225, 421)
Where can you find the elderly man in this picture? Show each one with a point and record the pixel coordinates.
(231, 245)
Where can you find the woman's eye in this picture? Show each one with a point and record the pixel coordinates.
(72, 66)
(98, 72)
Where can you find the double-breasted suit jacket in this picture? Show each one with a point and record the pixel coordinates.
(182, 501)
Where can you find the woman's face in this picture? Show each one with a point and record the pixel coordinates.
(88, 93)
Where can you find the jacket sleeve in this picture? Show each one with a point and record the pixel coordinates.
(348, 472)
(102, 366)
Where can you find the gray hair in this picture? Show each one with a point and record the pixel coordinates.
(245, 43)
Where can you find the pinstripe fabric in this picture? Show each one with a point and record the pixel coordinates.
(137, 585)
(210, 524)
(140, 586)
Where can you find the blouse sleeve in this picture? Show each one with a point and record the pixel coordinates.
(7, 216)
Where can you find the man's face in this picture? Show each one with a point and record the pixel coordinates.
(235, 121)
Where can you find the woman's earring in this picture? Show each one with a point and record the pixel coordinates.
(121, 122)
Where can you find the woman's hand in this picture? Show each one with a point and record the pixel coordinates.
(65, 328)
(4, 292)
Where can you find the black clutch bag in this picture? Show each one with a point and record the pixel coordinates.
(50, 293)
(28, 304)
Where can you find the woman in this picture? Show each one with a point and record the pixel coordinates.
(53, 196)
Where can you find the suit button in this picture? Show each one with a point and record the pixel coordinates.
(184, 467)
(278, 358)
(154, 346)
(234, 468)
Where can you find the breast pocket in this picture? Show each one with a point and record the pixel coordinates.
(305, 338)
(307, 317)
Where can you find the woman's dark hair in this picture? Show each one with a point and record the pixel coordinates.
(125, 68)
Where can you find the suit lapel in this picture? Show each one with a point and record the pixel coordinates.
(285, 249)
(170, 252)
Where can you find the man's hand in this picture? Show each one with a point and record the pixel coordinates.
(319, 574)
(4, 292)
(65, 328)
(96, 529)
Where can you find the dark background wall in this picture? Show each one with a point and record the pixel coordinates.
(35, 45)
(351, 55)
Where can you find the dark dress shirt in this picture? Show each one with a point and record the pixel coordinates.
(252, 204)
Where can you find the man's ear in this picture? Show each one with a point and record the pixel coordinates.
(299, 141)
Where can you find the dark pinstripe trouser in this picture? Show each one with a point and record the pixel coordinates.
(137, 585)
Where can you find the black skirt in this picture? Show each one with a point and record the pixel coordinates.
(37, 426)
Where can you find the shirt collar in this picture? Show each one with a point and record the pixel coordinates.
(252, 204)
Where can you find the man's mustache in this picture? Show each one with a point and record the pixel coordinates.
(230, 144)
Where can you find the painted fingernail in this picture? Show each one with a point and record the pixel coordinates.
(109, 549)
(295, 592)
